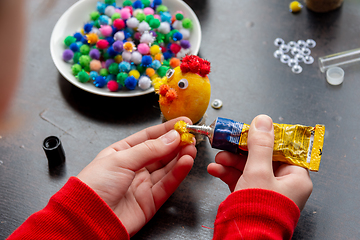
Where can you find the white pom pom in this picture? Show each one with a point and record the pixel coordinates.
(143, 26)
(119, 36)
(136, 57)
(96, 31)
(164, 27)
(182, 53)
(177, 24)
(132, 22)
(185, 32)
(126, 56)
(144, 83)
(109, 10)
(137, 11)
(147, 38)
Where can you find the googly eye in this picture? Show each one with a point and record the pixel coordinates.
(170, 73)
(183, 83)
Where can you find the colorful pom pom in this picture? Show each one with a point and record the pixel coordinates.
(146, 61)
(130, 83)
(113, 86)
(102, 44)
(67, 55)
(100, 81)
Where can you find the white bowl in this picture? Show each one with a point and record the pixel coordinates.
(78, 14)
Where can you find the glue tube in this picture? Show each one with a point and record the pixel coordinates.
(294, 144)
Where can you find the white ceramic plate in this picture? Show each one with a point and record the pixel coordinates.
(78, 14)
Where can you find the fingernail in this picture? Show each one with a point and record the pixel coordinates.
(169, 137)
(263, 123)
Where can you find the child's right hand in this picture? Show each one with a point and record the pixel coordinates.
(258, 170)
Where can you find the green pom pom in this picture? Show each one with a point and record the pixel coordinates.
(187, 23)
(87, 68)
(109, 2)
(103, 72)
(114, 68)
(76, 57)
(149, 18)
(69, 40)
(84, 60)
(146, 3)
(76, 68)
(162, 71)
(94, 15)
(120, 78)
(179, 16)
(140, 17)
(161, 8)
(166, 63)
(140, 68)
(83, 76)
(115, 16)
(85, 49)
(106, 55)
(97, 24)
(127, 3)
(154, 23)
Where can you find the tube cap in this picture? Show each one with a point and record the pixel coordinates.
(54, 151)
(335, 75)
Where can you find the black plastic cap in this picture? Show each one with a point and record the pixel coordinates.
(54, 151)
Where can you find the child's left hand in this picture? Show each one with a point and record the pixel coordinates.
(136, 175)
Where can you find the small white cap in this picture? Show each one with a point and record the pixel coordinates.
(335, 75)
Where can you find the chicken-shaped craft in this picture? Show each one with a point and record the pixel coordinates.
(185, 90)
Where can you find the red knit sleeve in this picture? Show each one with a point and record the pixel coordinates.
(256, 214)
(74, 212)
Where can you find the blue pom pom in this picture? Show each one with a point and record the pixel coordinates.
(78, 36)
(124, 66)
(74, 47)
(104, 20)
(157, 2)
(128, 32)
(167, 54)
(165, 17)
(112, 53)
(84, 41)
(110, 77)
(130, 83)
(79, 44)
(101, 7)
(156, 64)
(93, 75)
(88, 27)
(110, 40)
(138, 4)
(100, 81)
(177, 36)
(146, 61)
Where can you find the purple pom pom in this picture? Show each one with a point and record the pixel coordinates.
(95, 54)
(109, 62)
(118, 46)
(185, 44)
(68, 55)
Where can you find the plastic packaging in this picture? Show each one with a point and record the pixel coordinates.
(294, 144)
(339, 59)
(335, 75)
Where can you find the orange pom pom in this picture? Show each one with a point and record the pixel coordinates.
(159, 57)
(163, 89)
(174, 62)
(150, 72)
(171, 94)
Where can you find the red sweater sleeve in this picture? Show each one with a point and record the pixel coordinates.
(74, 212)
(256, 214)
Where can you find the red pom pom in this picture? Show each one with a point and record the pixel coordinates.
(113, 86)
(204, 68)
(163, 89)
(171, 94)
(163, 49)
(102, 44)
(175, 48)
(119, 24)
(195, 65)
(184, 67)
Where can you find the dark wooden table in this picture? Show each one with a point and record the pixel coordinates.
(238, 41)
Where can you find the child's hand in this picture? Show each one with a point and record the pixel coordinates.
(258, 170)
(137, 175)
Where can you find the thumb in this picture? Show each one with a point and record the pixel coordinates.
(260, 146)
(149, 151)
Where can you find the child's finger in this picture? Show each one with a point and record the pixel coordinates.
(260, 146)
(228, 175)
(231, 160)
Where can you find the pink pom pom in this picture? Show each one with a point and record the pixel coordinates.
(113, 86)
(119, 24)
(143, 48)
(137, 35)
(148, 11)
(157, 17)
(125, 13)
(95, 65)
(106, 30)
(118, 10)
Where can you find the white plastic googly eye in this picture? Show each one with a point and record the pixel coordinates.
(292, 62)
(278, 53)
(299, 58)
(306, 51)
(284, 58)
(308, 59)
(310, 43)
(292, 44)
(278, 42)
(301, 43)
(183, 83)
(296, 69)
(170, 73)
(284, 48)
(295, 51)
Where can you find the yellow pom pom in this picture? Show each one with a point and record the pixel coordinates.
(154, 76)
(128, 46)
(82, 31)
(157, 82)
(118, 59)
(92, 38)
(295, 6)
(155, 49)
(180, 127)
(134, 73)
(185, 136)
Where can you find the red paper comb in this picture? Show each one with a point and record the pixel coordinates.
(194, 64)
